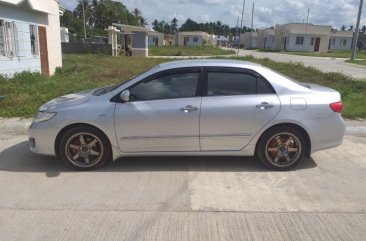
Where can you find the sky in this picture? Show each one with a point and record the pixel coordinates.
(267, 13)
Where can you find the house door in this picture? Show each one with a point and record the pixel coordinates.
(284, 44)
(185, 41)
(317, 45)
(43, 50)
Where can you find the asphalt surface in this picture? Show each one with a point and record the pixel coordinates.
(183, 198)
(324, 64)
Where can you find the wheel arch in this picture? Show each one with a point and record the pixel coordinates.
(295, 126)
(68, 127)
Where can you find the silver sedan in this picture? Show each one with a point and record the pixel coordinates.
(193, 107)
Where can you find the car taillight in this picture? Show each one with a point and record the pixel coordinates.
(337, 106)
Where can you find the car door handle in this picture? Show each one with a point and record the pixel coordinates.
(264, 105)
(188, 108)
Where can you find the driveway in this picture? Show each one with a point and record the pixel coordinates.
(183, 198)
(324, 64)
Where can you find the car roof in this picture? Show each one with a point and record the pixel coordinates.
(208, 62)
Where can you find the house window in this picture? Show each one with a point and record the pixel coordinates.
(10, 41)
(343, 42)
(312, 41)
(333, 41)
(299, 40)
(195, 39)
(33, 39)
(2, 39)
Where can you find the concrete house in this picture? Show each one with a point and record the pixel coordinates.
(155, 38)
(302, 37)
(30, 38)
(195, 38)
(249, 40)
(341, 40)
(169, 39)
(265, 38)
(137, 36)
(222, 41)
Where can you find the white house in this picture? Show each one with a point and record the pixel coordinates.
(155, 38)
(341, 40)
(249, 40)
(29, 36)
(194, 38)
(302, 37)
(222, 41)
(265, 38)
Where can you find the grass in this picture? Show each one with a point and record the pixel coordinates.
(330, 54)
(357, 61)
(27, 91)
(188, 51)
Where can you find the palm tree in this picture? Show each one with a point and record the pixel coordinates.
(174, 25)
(142, 21)
(343, 28)
(136, 12)
(363, 29)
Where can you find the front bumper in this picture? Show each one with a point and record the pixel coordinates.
(42, 138)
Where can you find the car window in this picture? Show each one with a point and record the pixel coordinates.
(230, 84)
(181, 85)
(226, 83)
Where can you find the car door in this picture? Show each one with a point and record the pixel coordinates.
(238, 103)
(163, 114)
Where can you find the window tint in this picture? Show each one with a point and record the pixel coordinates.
(167, 87)
(230, 84)
(263, 87)
(221, 83)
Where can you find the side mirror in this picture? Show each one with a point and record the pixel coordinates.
(125, 96)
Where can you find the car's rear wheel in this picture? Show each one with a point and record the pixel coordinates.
(85, 148)
(281, 148)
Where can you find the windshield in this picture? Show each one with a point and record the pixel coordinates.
(107, 89)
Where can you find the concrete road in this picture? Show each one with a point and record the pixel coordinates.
(183, 198)
(324, 64)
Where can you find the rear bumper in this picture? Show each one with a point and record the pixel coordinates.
(42, 137)
(325, 133)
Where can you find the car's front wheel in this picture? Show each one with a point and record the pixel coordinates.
(281, 148)
(85, 148)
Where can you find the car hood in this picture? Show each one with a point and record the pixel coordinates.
(67, 100)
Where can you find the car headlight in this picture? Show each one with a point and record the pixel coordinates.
(43, 116)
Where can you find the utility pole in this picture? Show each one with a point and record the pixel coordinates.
(251, 28)
(82, 3)
(306, 29)
(241, 27)
(237, 29)
(355, 36)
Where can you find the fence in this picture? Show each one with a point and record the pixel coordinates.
(83, 48)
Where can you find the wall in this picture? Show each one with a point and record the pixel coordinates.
(139, 45)
(337, 43)
(22, 18)
(26, 61)
(54, 40)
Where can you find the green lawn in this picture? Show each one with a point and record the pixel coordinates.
(188, 51)
(331, 54)
(360, 61)
(27, 91)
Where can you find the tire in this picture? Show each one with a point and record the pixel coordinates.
(85, 148)
(281, 148)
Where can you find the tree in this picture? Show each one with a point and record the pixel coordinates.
(343, 28)
(363, 29)
(174, 25)
(156, 25)
(142, 21)
(350, 27)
